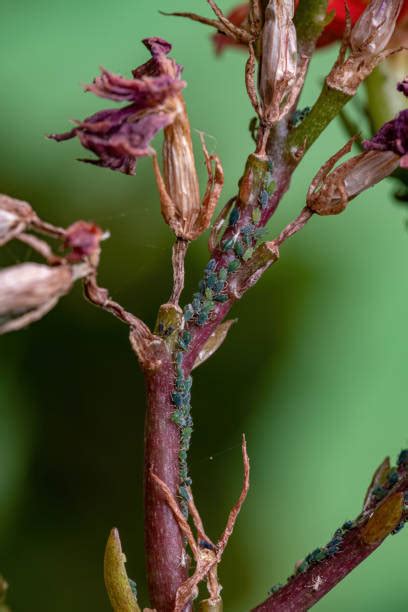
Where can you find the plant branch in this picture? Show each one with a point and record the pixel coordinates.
(385, 513)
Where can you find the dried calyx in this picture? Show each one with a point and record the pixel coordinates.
(367, 42)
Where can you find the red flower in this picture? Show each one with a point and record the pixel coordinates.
(333, 31)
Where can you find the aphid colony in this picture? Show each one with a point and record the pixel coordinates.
(391, 478)
(181, 398)
(212, 292)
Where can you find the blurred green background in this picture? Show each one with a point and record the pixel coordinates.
(314, 373)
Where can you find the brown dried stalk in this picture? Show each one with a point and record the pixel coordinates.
(207, 555)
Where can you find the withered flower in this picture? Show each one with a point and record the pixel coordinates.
(29, 290)
(83, 239)
(119, 136)
(331, 190)
(392, 136)
(368, 41)
(15, 215)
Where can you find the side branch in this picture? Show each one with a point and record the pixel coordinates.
(384, 513)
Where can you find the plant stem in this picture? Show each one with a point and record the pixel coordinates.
(163, 541)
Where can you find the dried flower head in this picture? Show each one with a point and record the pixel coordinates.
(392, 136)
(15, 215)
(332, 190)
(83, 239)
(119, 136)
(29, 290)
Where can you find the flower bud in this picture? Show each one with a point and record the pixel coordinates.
(279, 57)
(29, 290)
(15, 215)
(373, 30)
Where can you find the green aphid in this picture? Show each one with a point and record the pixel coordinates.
(275, 588)
(180, 383)
(182, 455)
(186, 434)
(270, 165)
(264, 198)
(186, 336)
(221, 297)
(211, 280)
(234, 216)
(188, 315)
(303, 566)
(209, 293)
(133, 587)
(179, 358)
(188, 383)
(178, 418)
(222, 274)
(319, 556)
(182, 344)
(256, 215)
(228, 244)
(248, 254)
(233, 265)
(239, 248)
(184, 493)
(183, 471)
(207, 306)
(202, 318)
(270, 187)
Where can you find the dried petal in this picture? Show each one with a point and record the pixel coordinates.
(15, 215)
(392, 136)
(403, 87)
(373, 30)
(119, 136)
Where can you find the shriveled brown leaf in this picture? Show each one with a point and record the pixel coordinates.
(383, 520)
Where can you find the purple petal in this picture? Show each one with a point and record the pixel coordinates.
(393, 136)
(403, 86)
(119, 136)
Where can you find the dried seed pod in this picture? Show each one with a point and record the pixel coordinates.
(373, 31)
(29, 290)
(368, 41)
(331, 190)
(180, 173)
(279, 58)
(15, 215)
